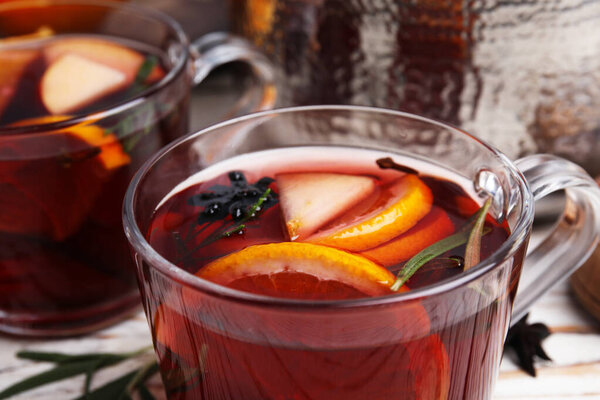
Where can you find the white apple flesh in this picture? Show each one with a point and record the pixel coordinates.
(311, 200)
(73, 82)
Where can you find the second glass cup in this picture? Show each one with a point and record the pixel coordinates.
(88, 91)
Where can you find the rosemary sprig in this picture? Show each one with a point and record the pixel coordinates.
(427, 254)
(145, 69)
(473, 228)
(61, 358)
(60, 372)
(233, 230)
(473, 250)
(144, 116)
(251, 213)
(119, 389)
(68, 365)
(439, 263)
(89, 374)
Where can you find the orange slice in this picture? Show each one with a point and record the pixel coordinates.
(432, 228)
(54, 179)
(411, 201)
(285, 269)
(189, 322)
(111, 153)
(288, 266)
(430, 359)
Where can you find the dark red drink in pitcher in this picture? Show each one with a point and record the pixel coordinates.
(319, 224)
(79, 113)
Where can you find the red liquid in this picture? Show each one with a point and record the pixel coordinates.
(213, 349)
(64, 262)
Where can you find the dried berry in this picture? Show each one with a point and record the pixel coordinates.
(236, 200)
(241, 201)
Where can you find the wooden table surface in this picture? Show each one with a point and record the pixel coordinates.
(574, 347)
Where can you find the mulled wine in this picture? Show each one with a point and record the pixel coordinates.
(320, 225)
(73, 130)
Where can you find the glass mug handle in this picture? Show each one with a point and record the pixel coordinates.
(215, 49)
(574, 237)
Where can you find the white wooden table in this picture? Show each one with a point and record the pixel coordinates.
(574, 347)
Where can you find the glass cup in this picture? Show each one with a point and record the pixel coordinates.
(442, 341)
(64, 261)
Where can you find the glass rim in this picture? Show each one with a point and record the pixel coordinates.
(116, 108)
(165, 267)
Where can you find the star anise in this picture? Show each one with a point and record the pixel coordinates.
(526, 340)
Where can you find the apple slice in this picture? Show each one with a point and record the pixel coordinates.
(112, 55)
(310, 200)
(73, 82)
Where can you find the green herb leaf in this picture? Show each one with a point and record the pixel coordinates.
(234, 230)
(251, 213)
(473, 250)
(68, 365)
(118, 388)
(60, 372)
(144, 117)
(438, 263)
(111, 390)
(61, 358)
(88, 378)
(440, 247)
(145, 69)
(427, 254)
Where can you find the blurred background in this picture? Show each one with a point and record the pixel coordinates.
(524, 76)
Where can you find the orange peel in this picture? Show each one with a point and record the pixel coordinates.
(412, 200)
(323, 262)
(433, 227)
(111, 154)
